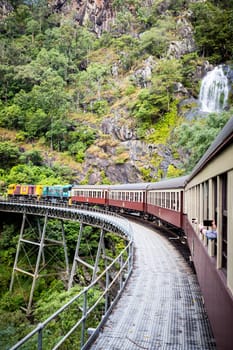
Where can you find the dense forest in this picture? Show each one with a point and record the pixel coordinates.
(77, 100)
(101, 92)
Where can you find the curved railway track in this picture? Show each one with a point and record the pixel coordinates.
(161, 307)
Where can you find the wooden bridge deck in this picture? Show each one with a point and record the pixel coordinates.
(161, 307)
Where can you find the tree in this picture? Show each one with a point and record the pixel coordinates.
(9, 154)
(12, 117)
(213, 31)
(46, 107)
(195, 138)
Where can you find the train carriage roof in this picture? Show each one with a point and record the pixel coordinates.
(91, 187)
(141, 186)
(167, 184)
(222, 140)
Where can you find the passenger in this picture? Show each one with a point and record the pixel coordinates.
(211, 233)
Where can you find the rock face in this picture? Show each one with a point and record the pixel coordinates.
(99, 13)
(142, 77)
(5, 9)
(186, 44)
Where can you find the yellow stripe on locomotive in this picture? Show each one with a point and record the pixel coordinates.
(25, 190)
(11, 189)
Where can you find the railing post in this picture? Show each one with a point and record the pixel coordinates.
(40, 337)
(121, 272)
(130, 258)
(107, 294)
(84, 318)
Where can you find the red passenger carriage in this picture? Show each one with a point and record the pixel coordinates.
(129, 197)
(90, 194)
(165, 200)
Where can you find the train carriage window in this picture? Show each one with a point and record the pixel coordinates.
(215, 191)
(159, 199)
(149, 197)
(123, 196)
(163, 200)
(206, 199)
(168, 200)
(173, 201)
(136, 196)
(215, 208)
(152, 199)
(224, 221)
(131, 196)
(178, 201)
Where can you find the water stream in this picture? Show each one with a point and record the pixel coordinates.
(214, 91)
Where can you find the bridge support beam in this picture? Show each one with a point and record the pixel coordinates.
(77, 259)
(31, 245)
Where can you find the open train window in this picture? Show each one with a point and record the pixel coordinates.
(224, 221)
(173, 201)
(215, 208)
(168, 200)
(178, 201)
(206, 200)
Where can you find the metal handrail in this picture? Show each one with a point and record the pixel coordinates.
(127, 264)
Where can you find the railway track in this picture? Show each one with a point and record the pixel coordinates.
(161, 307)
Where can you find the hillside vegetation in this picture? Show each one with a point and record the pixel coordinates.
(98, 99)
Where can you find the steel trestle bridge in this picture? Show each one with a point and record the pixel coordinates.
(107, 222)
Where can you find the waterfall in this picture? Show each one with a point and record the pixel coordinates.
(214, 91)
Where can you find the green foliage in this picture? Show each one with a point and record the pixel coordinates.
(12, 117)
(188, 70)
(155, 41)
(9, 154)
(195, 137)
(8, 243)
(155, 102)
(213, 30)
(28, 174)
(164, 126)
(146, 109)
(100, 107)
(173, 172)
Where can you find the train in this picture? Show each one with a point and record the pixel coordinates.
(161, 201)
(56, 193)
(196, 205)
